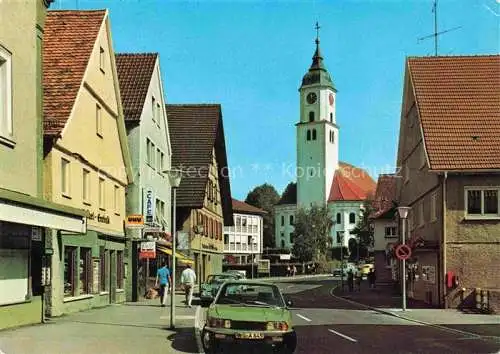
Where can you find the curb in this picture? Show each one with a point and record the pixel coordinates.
(389, 313)
(297, 277)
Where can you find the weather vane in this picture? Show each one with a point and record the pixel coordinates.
(317, 27)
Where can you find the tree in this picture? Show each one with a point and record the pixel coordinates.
(265, 197)
(311, 235)
(363, 229)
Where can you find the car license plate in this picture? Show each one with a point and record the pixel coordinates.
(250, 335)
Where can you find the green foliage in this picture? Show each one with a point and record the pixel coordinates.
(364, 229)
(311, 235)
(265, 197)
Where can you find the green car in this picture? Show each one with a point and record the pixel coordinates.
(209, 289)
(249, 313)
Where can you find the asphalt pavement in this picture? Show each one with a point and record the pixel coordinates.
(326, 323)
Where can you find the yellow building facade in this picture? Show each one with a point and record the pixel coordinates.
(87, 166)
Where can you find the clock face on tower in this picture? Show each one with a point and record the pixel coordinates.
(330, 98)
(311, 98)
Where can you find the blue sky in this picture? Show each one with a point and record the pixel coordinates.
(250, 57)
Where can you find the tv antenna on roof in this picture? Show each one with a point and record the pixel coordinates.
(436, 33)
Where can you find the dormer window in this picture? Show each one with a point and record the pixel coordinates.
(311, 116)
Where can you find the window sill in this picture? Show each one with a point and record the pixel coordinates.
(78, 298)
(7, 141)
(482, 217)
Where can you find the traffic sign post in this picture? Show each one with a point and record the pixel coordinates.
(403, 252)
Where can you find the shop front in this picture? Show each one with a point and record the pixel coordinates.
(24, 270)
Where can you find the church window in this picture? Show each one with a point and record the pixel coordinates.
(308, 135)
(333, 136)
(311, 116)
(314, 134)
(331, 117)
(352, 218)
(339, 218)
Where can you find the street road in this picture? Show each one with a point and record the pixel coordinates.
(328, 324)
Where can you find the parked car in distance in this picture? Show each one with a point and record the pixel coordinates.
(241, 274)
(209, 289)
(252, 313)
(364, 269)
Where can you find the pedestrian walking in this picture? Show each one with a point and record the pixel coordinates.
(371, 278)
(288, 271)
(358, 280)
(350, 280)
(163, 280)
(294, 270)
(188, 279)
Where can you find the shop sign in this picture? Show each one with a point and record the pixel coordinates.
(149, 205)
(263, 266)
(134, 221)
(148, 250)
(209, 246)
(101, 218)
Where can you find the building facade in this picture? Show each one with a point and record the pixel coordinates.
(149, 144)
(448, 152)
(243, 241)
(25, 217)
(321, 178)
(86, 162)
(204, 195)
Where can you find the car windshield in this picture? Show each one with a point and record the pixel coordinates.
(219, 278)
(250, 295)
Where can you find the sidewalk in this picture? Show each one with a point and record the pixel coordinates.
(139, 327)
(388, 301)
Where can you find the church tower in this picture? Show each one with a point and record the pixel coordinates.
(317, 134)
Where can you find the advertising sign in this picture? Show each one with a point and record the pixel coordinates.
(148, 250)
(149, 205)
(182, 240)
(263, 266)
(134, 221)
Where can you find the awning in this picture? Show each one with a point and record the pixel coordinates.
(180, 256)
(31, 215)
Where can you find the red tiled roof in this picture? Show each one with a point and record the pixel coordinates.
(196, 129)
(134, 75)
(351, 184)
(244, 208)
(458, 99)
(385, 195)
(68, 41)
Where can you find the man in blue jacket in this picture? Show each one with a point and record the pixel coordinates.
(163, 278)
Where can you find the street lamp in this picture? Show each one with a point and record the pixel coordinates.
(403, 214)
(174, 177)
(341, 233)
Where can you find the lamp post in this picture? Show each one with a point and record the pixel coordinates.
(403, 214)
(174, 177)
(341, 233)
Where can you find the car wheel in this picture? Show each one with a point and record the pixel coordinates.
(208, 342)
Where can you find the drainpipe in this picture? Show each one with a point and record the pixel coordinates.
(443, 253)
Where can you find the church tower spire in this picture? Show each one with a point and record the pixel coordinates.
(317, 133)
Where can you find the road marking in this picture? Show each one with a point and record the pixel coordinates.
(177, 317)
(304, 317)
(342, 335)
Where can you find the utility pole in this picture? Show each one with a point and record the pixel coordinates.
(436, 33)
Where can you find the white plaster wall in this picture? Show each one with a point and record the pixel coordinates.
(380, 242)
(241, 235)
(344, 208)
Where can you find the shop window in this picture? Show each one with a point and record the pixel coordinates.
(69, 270)
(85, 275)
(119, 269)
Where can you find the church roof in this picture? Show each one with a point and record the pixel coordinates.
(351, 183)
(318, 74)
